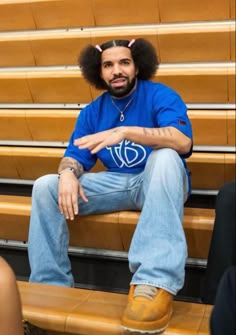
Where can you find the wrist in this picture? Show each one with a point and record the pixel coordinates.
(69, 168)
(123, 131)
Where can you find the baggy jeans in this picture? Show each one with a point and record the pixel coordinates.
(158, 249)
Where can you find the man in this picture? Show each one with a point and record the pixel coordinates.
(141, 132)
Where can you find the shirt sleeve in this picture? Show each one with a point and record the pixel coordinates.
(172, 111)
(83, 127)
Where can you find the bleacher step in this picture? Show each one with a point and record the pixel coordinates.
(88, 312)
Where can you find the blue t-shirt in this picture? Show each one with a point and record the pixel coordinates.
(153, 105)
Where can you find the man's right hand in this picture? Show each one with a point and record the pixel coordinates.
(69, 190)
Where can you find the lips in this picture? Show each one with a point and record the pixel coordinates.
(118, 82)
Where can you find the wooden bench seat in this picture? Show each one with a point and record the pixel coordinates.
(111, 231)
(210, 127)
(37, 124)
(198, 42)
(48, 85)
(41, 14)
(47, 14)
(205, 83)
(209, 170)
(213, 127)
(191, 10)
(66, 311)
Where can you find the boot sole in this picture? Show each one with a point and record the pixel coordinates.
(133, 330)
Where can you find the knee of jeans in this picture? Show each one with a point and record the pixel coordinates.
(41, 185)
(164, 156)
(165, 161)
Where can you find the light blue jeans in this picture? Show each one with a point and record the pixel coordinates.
(158, 251)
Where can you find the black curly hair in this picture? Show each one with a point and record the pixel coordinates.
(142, 51)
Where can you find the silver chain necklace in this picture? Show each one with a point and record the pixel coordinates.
(122, 117)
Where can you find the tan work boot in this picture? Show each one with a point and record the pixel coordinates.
(147, 315)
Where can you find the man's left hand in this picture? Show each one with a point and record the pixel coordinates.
(100, 140)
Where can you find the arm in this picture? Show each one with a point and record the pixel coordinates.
(166, 137)
(69, 187)
(69, 163)
(169, 137)
(10, 304)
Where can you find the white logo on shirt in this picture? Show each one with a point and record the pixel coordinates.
(127, 154)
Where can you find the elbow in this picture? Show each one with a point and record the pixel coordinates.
(185, 146)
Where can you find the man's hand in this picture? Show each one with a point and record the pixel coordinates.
(69, 189)
(100, 140)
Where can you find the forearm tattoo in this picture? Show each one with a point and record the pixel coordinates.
(159, 131)
(68, 162)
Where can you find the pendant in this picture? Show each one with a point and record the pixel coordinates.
(122, 117)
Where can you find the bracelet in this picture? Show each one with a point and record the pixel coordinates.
(68, 168)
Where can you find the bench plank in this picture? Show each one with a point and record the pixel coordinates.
(174, 43)
(111, 231)
(210, 127)
(79, 311)
(209, 170)
(211, 84)
(192, 10)
(47, 14)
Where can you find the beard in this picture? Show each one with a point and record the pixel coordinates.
(122, 91)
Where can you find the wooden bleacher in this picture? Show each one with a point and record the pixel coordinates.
(83, 312)
(197, 84)
(211, 127)
(62, 46)
(41, 88)
(210, 170)
(48, 14)
(104, 231)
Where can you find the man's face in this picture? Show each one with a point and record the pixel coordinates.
(118, 71)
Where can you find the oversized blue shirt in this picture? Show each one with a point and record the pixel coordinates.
(153, 105)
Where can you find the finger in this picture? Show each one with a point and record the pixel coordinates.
(65, 204)
(60, 204)
(64, 207)
(98, 147)
(82, 194)
(75, 203)
(88, 145)
(70, 207)
(82, 140)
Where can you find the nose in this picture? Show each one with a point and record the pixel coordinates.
(116, 69)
